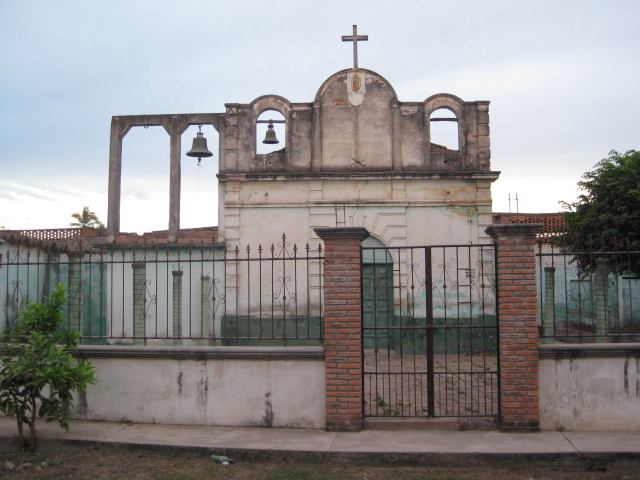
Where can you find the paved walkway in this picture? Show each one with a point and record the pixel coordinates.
(583, 450)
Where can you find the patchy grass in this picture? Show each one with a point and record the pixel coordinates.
(121, 464)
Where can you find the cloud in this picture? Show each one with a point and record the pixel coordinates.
(14, 191)
(8, 195)
(134, 194)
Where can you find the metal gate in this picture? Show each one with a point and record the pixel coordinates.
(429, 331)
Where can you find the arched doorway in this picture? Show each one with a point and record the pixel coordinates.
(377, 295)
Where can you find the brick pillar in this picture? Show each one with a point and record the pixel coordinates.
(343, 327)
(518, 325)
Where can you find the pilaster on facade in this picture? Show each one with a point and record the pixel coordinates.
(231, 160)
(399, 190)
(315, 191)
(232, 187)
(231, 226)
(484, 142)
(485, 219)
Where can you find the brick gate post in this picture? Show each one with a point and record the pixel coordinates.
(518, 325)
(343, 327)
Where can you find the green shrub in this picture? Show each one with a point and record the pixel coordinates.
(38, 374)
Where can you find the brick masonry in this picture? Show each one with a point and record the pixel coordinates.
(343, 332)
(551, 222)
(518, 325)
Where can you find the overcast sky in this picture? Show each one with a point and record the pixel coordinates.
(562, 77)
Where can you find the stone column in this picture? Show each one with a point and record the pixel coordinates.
(517, 325)
(175, 131)
(343, 327)
(139, 303)
(177, 307)
(118, 130)
(549, 304)
(601, 298)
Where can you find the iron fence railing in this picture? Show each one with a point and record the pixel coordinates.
(174, 295)
(587, 296)
(430, 331)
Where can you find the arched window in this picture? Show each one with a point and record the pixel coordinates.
(375, 252)
(443, 128)
(279, 131)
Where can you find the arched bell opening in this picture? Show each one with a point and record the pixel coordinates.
(444, 129)
(198, 183)
(270, 132)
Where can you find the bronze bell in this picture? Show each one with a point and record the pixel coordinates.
(270, 137)
(199, 148)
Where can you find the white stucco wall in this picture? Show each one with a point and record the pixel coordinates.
(597, 389)
(228, 386)
(399, 211)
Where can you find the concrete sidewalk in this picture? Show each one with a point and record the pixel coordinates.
(581, 450)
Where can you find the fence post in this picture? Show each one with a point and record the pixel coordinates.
(518, 325)
(343, 327)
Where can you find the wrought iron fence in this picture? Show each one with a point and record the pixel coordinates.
(588, 296)
(174, 295)
(430, 333)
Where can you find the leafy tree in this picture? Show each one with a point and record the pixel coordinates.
(36, 360)
(606, 216)
(86, 218)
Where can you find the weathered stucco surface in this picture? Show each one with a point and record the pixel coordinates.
(399, 212)
(207, 391)
(598, 391)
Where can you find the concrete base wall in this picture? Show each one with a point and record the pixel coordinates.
(229, 386)
(590, 387)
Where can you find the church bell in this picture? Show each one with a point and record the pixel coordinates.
(199, 148)
(270, 137)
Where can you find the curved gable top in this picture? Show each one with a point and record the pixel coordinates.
(445, 97)
(444, 100)
(270, 102)
(370, 73)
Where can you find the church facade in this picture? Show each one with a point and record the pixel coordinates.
(356, 156)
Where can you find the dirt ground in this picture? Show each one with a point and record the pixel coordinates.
(80, 463)
(463, 384)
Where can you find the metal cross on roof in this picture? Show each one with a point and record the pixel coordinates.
(355, 38)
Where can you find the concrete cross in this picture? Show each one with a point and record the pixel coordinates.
(355, 38)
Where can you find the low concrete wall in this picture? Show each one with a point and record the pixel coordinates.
(590, 387)
(231, 386)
